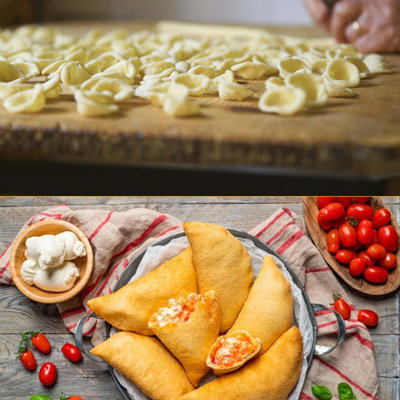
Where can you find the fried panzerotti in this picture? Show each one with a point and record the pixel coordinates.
(147, 363)
(232, 351)
(269, 377)
(188, 327)
(222, 264)
(131, 307)
(268, 311)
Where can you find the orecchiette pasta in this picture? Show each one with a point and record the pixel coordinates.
(27, 101)
(342, 73)
(312, 85)
(197, 84)
(93, 106)
(9, 72)
(283, 101)
(233, 91)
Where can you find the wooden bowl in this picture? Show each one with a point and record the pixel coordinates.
(50, 227)
(318, 236)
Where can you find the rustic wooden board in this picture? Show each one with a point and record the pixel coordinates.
(350, 135)
(92, 380)
(319, 238)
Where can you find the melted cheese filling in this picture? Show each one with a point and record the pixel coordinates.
(178, 310)
(231, 350)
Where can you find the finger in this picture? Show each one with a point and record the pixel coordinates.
(344, 13)
(352, 35)
(319, 12)
(371, 43)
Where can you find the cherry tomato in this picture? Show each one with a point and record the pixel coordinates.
(389, 262)
(345, 201)
(347, 235)
(361, 199)
(333, 241)
(338, 222)
(331, 212)
(62, 397)
(376, 251)
(360, 211)
(41, 343)
(341, 306)
(368, 317)
(369, 261)
(374, 238)
(28, 360)
(325, 200)
(345, 256)
(388, 238)
(381, 217)
(365, 234)
(71, 352)
(357, 246)
(48, 374)
(357, 266)
(325, 225)
(376, 274)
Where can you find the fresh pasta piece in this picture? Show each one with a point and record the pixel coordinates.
(146, 363)
(283, 101)
(131, 307)
(223, 265)
(197, 84)
(342, 73)
(362, 68)
(29, 69)
(9, 72)
(203, 70)
(118, 90)
(251, 70)
(312, 85)
(319, 67)
(156, 67)
(337, 91)
(74, 74)
(188, 327)
(125, 68)
(270, 377)
(292, 65)
(52, 88)
(233, 91)
(180, 107)
(232, 351)
(26, 101)
(268, 310)
(10, 88)
(93, 106)
(274, 82)
(115, 75)
(53, 68)
(376, 64)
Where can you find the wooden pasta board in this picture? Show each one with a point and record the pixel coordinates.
(360, 136)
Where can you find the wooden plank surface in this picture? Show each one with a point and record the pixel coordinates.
(92, 380)
(350, 135)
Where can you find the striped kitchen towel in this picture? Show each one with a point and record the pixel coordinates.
(117, 237)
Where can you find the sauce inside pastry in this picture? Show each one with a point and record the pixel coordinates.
(231, 351)
(178, 310)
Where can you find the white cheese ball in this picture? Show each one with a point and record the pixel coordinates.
(28, 271)
(74, 248)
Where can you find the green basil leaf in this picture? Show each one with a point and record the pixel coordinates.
(322, 392)
(345, 392)
(40, 397)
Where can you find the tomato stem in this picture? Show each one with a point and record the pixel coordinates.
(24, 343)
(352, 221)
(336, 296)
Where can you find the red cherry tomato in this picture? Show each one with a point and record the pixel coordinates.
(388, 238)
(389, 262)
(338, 222)
(345, 256)
(331, 212)
(365, 233)
(357, 246)
(361, 199)
(369, 261)
(325, 200)
(368, 317)
(360, 211)
(325, 225)
(62, 397)
(376, 274)
(381, 217)
(333, 241)
(357, 266)
(48, 374)
(341, 306)
(376, 251)
(41, 343)
(345, 201)
(71, 352)
(374, 238)
(347, 235)
(28, 360)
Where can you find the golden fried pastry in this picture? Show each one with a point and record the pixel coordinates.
(131, 307)
(188, 327)
(222, 264)
(232, 351)
(268, 311)
(147, 363)
(269, 377)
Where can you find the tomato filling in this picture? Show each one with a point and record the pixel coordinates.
(233, 349)
(178, 310)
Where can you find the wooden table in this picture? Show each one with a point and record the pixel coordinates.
(92, 380)
(349, 139)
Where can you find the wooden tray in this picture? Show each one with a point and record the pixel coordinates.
(318, 236)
